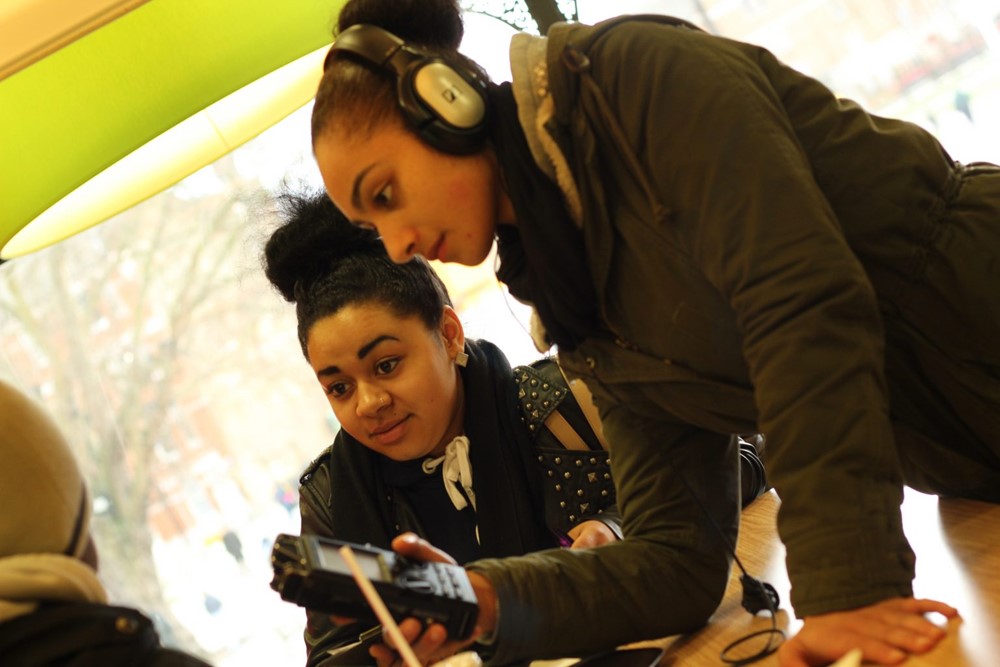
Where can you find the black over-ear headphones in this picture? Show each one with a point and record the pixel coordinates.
(444, 102)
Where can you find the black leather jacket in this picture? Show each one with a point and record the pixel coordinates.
(343, 496)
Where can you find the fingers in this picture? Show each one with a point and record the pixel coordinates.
(795, 652)
(341, 620)
(582, 536)
(429, 646)
(814, 646)
(924, 606)
(806, 651)
(591, 534)
(909, 631)
(411, 546)
(906, 625)
(385, 654)
(587, 540)
(886, 633)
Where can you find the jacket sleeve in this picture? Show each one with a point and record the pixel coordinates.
(315, 509)
(666, 577)
(749, 212)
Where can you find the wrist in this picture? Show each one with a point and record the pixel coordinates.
(489, 608)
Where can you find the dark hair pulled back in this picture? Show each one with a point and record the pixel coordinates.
(319, 261)
(433, 24)
(360, 96)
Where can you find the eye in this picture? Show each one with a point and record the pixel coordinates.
(383, 198)
(337, 389)
(386, 366)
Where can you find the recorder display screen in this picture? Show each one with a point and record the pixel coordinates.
(330, 559)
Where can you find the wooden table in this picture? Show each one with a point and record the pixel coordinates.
(957, 543)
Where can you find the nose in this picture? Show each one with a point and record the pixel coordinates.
(400, 242)
(371, 399)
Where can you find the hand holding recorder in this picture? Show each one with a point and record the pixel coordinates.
(310, 571)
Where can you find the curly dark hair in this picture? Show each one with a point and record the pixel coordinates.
(427, 23)
(319, 261)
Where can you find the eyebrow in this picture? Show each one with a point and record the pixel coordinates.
(362, 353)
(368, 347)
(356, 190)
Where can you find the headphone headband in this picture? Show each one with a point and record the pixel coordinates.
(371, 43)
(442, 101)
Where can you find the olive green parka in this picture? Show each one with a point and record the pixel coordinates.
(767, 257)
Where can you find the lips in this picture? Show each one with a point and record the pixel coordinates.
(435, 251)
(389, 433)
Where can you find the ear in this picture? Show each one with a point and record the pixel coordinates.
(452, 331)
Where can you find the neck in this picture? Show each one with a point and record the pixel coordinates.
(456, 426)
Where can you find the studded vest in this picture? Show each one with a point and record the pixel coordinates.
(577, 470)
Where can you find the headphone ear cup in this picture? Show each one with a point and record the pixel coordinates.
(446, 106)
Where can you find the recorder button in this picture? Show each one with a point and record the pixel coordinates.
(447, 580)
(418, 585)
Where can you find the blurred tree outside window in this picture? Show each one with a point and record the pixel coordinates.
(175, 370)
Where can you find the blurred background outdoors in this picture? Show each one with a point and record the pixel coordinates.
(174, 369)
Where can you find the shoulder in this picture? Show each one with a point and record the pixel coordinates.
(345, 453)
(576, 45)
(669, 51)
(320, 463)
(84, 630)
(540, 387)
(346, 461)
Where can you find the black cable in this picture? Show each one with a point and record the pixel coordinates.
(757, 596)
(772, 632)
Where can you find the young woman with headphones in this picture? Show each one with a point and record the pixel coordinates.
(716, 244)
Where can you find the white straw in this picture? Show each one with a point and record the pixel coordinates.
(378, 606)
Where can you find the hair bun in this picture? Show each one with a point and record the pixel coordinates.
(313, 237)
(429, 23)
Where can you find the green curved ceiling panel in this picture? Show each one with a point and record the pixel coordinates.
(70, 115)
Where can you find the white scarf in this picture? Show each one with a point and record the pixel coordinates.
(456, 471)
(27, 579)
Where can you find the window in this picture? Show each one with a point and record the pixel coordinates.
(176, 373)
